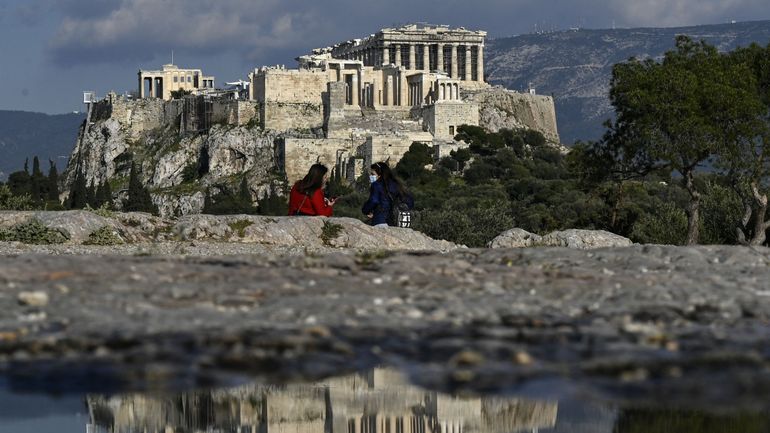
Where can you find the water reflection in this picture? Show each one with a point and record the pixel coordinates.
(380, 401)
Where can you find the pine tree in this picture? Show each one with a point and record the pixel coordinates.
(53, 183)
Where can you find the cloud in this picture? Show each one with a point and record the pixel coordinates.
(128, 31)
(140, 29)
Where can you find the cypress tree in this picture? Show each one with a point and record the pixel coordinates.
(53, 183)
(139, 199)
(244, 198)
(78, 193)
(91, 195)
(107, 194)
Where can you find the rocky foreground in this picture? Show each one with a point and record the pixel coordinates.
(658, 323)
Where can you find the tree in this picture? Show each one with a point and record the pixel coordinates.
(683, 109)
(78, 197)
(412, 164)
(139, 199)
(747, 161)
(53, 182)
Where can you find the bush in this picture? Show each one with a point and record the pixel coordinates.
(33, 232)
(104, 236)
(9, 201)
(329, 232)
(665, 224)
(473, 227)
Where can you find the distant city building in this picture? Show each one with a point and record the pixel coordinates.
(160, 84)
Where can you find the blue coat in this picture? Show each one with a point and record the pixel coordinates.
(379, 203)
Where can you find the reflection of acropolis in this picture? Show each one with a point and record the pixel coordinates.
(379, 401)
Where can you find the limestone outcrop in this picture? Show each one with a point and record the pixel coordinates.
(572, 238)
(500, 108)
(177, 166)
(274, 233)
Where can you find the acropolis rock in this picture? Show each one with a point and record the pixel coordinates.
(346, 106)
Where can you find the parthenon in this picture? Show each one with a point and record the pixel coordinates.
(457, 52)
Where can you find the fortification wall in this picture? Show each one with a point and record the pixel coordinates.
(284, 116)
(500, 108)
(298, 154)
(391, 148)
(235, 112)
(290, 85)
(135, 116)
(443, 118)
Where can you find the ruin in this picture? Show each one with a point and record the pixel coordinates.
(372, 97)
(346, 106)
(160, 83)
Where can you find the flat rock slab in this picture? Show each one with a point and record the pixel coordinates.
(651, 322)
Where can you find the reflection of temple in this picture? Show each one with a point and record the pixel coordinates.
(377, 402)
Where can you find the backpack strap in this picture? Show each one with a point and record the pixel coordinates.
(301, 204)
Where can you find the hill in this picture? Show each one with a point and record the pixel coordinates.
(575, 66)
(25, 134)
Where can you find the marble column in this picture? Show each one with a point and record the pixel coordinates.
(480, 64)
(426, 57)
(385, 55)
(397, 47)
(455, 69)
(440, 57)
(468, 72)
(412, 57)
(355, 91)
(403, 88)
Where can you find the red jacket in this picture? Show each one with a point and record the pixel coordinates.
(308, 205)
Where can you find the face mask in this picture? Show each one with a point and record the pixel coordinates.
(372, 178)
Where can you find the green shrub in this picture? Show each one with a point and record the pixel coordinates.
(665, 224)
(329, 232)
(9, 201)
(104, 236)
(240, 226)
(33, 232)
(473, 227)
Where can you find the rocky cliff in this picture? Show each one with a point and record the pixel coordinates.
(176, 164)
(500, 108)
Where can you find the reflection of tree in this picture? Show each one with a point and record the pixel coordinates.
(379, 401)
(680, 421)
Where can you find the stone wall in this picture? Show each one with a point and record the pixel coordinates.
(390, 148)
(136, 116)
(501, 108)
(235, 112)
(443, 118)
(298, 154)
(290, 99)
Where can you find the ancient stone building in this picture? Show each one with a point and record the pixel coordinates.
(371, 98)
(160, 84)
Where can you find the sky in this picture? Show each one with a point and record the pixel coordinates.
(53, 50)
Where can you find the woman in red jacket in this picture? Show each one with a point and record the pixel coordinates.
(307, 195)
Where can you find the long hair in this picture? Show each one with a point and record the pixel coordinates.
(386, 175)
(313, 180)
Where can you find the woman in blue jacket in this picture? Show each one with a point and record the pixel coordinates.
(385, 188)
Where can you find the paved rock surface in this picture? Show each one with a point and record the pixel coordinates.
(262, 232)
(572, 238)
(642, 322)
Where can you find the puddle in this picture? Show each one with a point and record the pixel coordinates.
(380, 400)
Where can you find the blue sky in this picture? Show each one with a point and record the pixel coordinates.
(52, 50)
